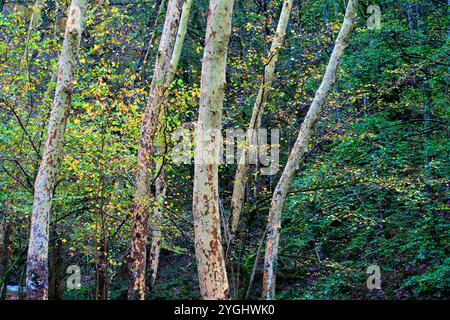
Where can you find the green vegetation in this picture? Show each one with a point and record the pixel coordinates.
(373, 188)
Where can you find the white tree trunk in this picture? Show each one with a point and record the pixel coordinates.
(37, 261)
(146, 151)
(181, 34)
(237, 199)
(299, 150)
(160, 188)
(208, 245)
(160, 193)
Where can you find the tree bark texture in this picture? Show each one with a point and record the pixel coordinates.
(208, 244)
(299, 150)
(237, 199)
(146, 151)
(37, 260)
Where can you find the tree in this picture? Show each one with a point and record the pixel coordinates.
(160, 187)
(146, 150)
(37, 260)
(155, 247)
(208, 244)
(6, 248)
(372, 187)
(300, 148)
(237, 199)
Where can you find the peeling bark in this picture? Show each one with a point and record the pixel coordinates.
(37, 260)
(181, 35)
(237, 199)
(160, 188)
(146, 151)
(208, 245)
(299, 150)
(155, 248)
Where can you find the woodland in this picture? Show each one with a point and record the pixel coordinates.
(224, 149)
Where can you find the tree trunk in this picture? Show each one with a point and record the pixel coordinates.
(102, 255)
(208, 245)
(410, 19)
(144, 57)
(181, 34)
(37, 261)
(160, 188)
(146, 151)
(240, 179)
(299, 150)
(55, 286)
(155, 248)
(102, 283)
(6, 249)
(3, 265)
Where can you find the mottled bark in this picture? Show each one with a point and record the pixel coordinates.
(237, 199)
(160, 189)
(181, 34)
(149, 128)
(299, 150)
(160, 193)
(37, 261)
(208, 245)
